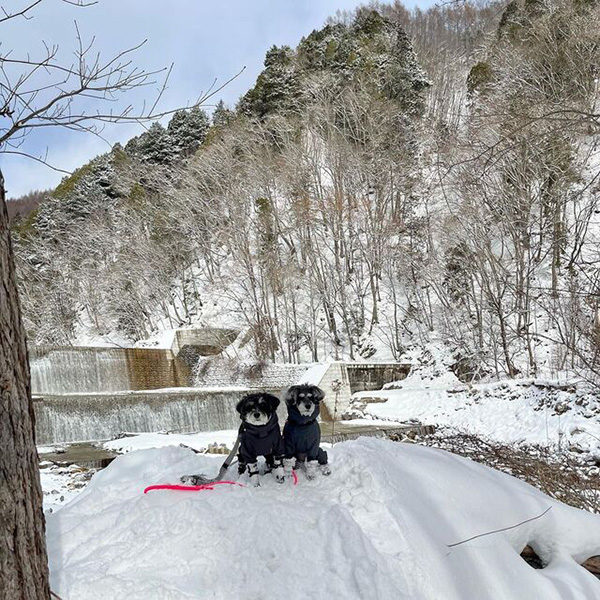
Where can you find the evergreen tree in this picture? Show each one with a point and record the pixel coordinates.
(221, 115)
(155, 145)
(277, 88)
(187, 130)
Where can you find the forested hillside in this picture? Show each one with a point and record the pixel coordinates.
(398, 176)
(20, 208)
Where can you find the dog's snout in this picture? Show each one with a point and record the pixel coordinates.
(256, 415)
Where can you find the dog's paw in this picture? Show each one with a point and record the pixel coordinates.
(288, 465)
(312, 467)
(279, 474)
(325, 470)
(253, 473)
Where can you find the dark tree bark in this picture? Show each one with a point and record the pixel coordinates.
(23, 558)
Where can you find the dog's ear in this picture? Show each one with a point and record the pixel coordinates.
(241, 403)
(290, 395)
(318, 393)
(273, 401)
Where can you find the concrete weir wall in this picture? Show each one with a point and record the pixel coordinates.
(81, 417)
(342, 379)
(75, 369)
(97, 393)
(67, 370)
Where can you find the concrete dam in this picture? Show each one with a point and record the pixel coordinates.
(97, 393)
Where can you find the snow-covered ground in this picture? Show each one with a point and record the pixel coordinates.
(379, 527)
(201, 441)
(521, 411)
(62, 484)
(509, 412)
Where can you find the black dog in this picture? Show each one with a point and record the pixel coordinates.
(301, 433)
(260, 435)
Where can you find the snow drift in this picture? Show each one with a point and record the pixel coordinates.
(379, 527)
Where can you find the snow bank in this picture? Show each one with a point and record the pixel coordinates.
(379, 527)
(509, 411)
(199, 441)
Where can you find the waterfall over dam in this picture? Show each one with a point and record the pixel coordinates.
(64, 370)
(80, 417)
(87, 393)
(83, 393)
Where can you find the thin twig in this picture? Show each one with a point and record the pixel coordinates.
(499, 530)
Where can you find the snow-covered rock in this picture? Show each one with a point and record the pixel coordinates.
(379, 527)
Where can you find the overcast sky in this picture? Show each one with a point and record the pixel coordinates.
(204, 39)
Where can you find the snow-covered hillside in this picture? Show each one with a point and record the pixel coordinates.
(556, 414)
(379, 527)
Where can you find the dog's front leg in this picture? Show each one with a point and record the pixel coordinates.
(278, 470)
(322, 460)
(253, 473)
(312, 468)
(288, 465)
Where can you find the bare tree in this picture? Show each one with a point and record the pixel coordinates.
(36, 93)
(23, 560)
(82, 93)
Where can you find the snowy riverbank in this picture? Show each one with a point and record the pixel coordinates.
(379, 527)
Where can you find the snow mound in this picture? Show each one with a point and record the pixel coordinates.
(379, 527)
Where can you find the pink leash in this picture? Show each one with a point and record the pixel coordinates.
(190, 488)
(206, 486)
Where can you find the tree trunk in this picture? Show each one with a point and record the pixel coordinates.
(23, 559)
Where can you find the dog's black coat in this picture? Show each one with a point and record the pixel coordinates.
(302, 434)
(260, 440)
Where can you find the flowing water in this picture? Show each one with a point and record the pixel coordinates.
(80, 417)
(69, 370)
(97, 393)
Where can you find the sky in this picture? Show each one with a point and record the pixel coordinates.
(204, 40)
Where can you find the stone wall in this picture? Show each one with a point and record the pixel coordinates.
(213, 372)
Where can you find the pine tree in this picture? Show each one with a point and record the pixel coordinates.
(187, 130)
(155, 145)
(221, 115)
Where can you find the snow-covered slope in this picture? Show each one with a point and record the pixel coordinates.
(379, 527)
(513, 412)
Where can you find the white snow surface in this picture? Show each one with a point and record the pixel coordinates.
(509, 412)
(199, 441)
(60, 485)
(378, 528)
